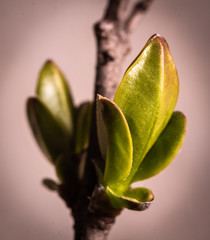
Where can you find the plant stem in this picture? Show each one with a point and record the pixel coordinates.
(92, 220)
(113, 36)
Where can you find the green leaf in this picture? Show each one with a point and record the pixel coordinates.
(83, 124)
(135, 199)
(52, 139)
(147, 96)
(165, 148)
(50, 184)
(118, 142)
(53, 91)
(101, 131)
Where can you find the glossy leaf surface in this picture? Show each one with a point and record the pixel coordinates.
(147, 96)
(134, 199)
(101, 131)
(165, 148)
(52, 139)
(54, 92)
(83, 122)
(119, 143)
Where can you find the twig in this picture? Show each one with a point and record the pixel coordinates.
(136, 15)
(113, 36)
(92, 221)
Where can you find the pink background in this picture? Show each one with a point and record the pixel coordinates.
(33, 31)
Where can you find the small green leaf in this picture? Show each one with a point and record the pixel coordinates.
(52, 139)
(165, 148)
(119, 143)
(53, 91)
(135, 199)
(147, 96)
(50, 184)
(83, 124)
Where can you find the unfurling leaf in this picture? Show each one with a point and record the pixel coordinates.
(138, 133)
(53, 91)
(134, 199)
(147, 96)
(52, 139)
(118, 140)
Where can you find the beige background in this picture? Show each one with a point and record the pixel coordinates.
(33, 31)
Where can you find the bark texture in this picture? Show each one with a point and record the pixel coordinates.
(113, 37)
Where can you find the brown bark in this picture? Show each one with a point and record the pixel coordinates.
(113, 36)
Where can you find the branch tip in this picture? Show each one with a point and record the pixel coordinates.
(136, 14)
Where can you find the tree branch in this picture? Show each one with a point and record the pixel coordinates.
(113, 36)
(91, 209)
(116, 10)
(136, 15)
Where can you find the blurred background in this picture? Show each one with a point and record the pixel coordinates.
(32, 32)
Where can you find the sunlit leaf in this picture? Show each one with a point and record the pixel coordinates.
(53, 91)
(147, 96)
(119, 142)
(101, 131)
(135, 199)
(165, 148)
